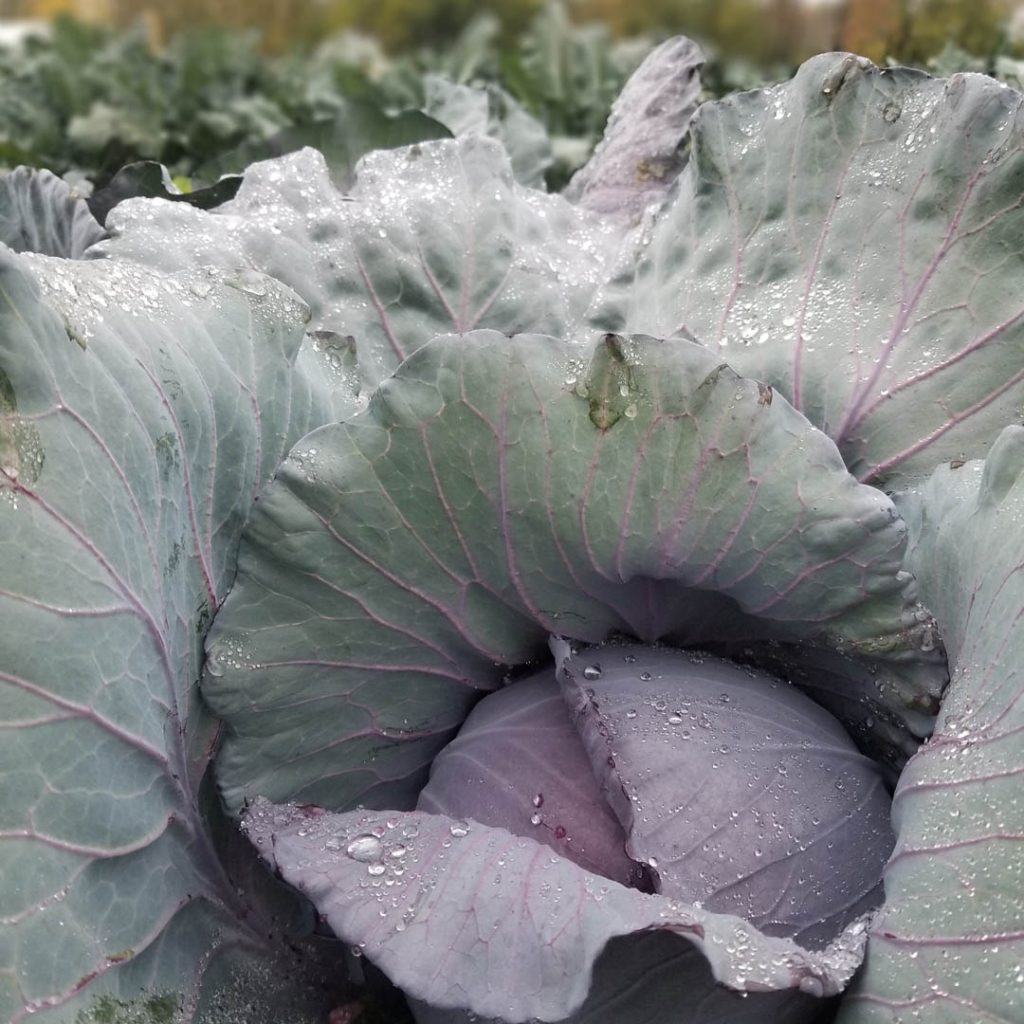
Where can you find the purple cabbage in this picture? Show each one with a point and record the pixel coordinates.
(685, 775)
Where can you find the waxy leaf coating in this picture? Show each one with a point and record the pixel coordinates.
(847, 250)
(490, 111)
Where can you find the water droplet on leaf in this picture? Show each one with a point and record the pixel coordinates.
(365, 848)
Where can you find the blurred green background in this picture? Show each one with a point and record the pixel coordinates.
(206, 87)
(764, 31)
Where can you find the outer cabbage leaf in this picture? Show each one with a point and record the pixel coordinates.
(433, 238)
(465, 916)
(948, 945)
(402, 559)
(139, 417)
(853, 238)
(642, 151)
(39, 212)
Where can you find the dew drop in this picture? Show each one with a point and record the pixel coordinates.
(459, 829)
(592, 672)
(365, 848)
(248, 281)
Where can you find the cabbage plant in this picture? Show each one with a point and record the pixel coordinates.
(592, 607)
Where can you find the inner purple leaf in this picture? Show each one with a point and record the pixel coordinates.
(683, 774)
(744, 796)
(518, 764)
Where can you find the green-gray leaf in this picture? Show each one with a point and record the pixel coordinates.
(947, 946)
(495, 492)
(40, 213)
(853, 238)
(139, 417)
(434, 238)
